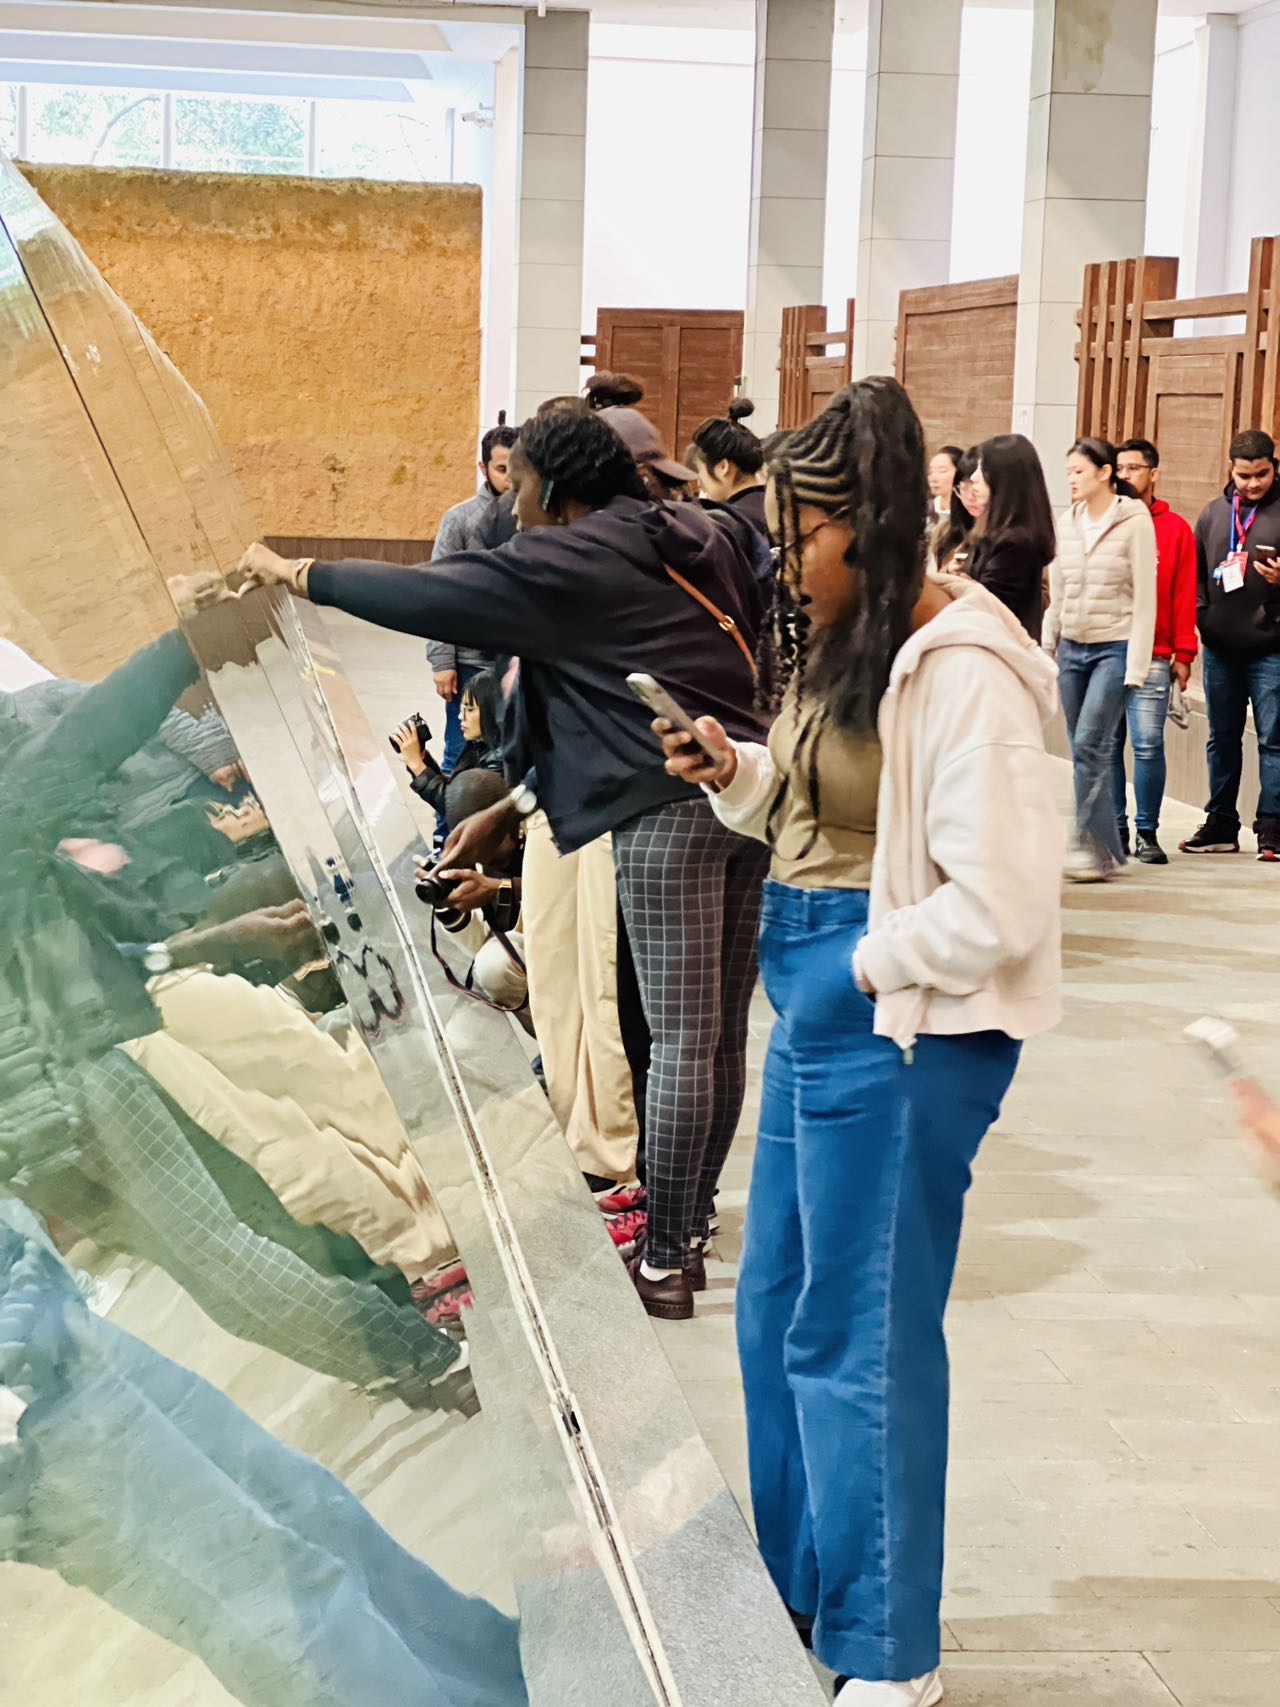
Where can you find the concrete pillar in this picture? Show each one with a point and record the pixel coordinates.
(1088, 142)
(552, 185)
(908, 165)
(788, 182)
(1206, 263)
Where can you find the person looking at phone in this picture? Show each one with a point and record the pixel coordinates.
(909, 943)
(603, 581)
(1238, 610)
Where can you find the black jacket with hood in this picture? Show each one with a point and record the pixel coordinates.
(1246, 622)
(583, 606)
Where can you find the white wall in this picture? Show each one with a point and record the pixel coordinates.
(668, 168)
(669, 155)
(1255, 181)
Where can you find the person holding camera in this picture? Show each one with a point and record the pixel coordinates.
(483, 900)
(479, 716)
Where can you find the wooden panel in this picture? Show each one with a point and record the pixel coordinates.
(1190, 408)
(403, 551)
(955, 357)
(688, 360)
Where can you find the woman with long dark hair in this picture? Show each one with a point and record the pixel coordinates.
(1101, 626)
(588, 591)
(950, 544)
(909, 942)
(728, 459)
(1013, 540)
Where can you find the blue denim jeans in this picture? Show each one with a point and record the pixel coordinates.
(1091, 682)
(1230, 685)
(1147, 713)
(862, 1164)
(454, 739)
(133, 1478)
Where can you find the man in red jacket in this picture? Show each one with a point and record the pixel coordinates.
(1138, 461)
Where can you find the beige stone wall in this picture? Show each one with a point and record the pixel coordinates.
(333, 329)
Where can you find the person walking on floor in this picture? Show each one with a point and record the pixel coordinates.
(910, 941)
(602, 581)
(1101, 626)
(1174, 652)
(1013, 541)
(950, 541)
(728, 459)
(452, 666)
(1238, 607)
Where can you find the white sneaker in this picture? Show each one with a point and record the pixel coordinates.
(920, 1692)
(1083, 866)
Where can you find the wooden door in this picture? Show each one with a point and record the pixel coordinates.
(688, 360)
(955, 357)
(1193, 389)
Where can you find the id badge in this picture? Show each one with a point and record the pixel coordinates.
(1233, 568)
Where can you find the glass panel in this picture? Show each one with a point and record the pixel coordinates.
(260, 1439)
(218, 133)
(101, 127)
(374, 139)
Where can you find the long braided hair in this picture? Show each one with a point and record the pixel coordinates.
(862, 459)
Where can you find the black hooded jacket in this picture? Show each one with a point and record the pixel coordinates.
(583, 606)
(1245, 622)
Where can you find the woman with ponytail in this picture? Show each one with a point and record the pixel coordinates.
(1101, 626)
(909, 943)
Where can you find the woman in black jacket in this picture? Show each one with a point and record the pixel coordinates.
(1014, 541)
(729, 460)
(602, 581)
(479, 714)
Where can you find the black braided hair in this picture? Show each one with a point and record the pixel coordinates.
(724, 439)
(863, 458)
(579, 458)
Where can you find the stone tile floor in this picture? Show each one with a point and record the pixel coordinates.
(1114, 1534)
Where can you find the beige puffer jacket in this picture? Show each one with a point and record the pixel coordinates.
(1107, 592)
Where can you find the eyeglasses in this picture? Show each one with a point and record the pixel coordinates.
(795, 546)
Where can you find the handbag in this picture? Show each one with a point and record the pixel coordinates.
(724, 621)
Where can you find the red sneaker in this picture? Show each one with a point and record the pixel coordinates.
(619, 1202)
(624, 1230)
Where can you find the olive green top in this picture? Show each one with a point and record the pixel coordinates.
(847, 776)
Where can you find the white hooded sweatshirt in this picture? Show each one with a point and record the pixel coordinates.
(964, 928)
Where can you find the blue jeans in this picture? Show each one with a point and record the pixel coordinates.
(133, 1478)
(1148, 711)
(862, 1164)
(1230, 686)
(454, 739)
(1091, 681)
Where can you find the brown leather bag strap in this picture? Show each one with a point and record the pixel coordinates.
(726, 622)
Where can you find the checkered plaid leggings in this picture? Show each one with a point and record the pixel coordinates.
(690, 892)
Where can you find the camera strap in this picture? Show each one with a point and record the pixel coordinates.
(466, 987)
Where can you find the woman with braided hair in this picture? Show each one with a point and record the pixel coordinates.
(910, 941)
(602, 581)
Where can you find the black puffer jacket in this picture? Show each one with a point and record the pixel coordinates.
(582, 607)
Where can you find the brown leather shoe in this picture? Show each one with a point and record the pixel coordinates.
(695, 1270)
(670, 1299)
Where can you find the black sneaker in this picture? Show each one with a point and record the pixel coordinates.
(1269, 840)
(1149, 850)
(1215, 836)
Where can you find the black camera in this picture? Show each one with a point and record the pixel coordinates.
(434, 891)
(424, 732)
